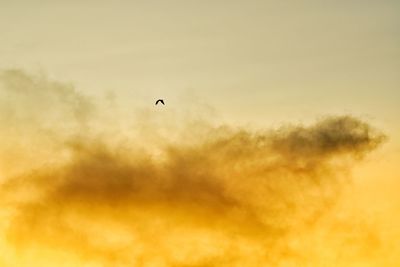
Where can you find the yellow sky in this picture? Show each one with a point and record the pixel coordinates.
(253, 64)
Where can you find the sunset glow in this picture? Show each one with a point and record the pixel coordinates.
(277, 145)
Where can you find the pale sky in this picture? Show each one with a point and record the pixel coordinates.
(252, 61)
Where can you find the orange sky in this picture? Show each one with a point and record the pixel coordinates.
(235, 170)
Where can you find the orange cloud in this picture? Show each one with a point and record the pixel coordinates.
(235, 197)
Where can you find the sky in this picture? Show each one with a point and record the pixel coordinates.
(78, 82)
(271, 59)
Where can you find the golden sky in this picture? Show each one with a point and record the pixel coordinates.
(278, 145)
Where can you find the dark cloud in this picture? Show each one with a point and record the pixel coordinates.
(231, 198)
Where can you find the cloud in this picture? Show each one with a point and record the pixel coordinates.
(224, 197)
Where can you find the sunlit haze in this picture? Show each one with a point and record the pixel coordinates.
(278, 144)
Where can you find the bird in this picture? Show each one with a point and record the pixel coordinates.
(161, 101)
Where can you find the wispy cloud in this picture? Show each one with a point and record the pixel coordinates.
(230, 197)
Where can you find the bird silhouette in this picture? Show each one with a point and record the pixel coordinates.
(160, 101)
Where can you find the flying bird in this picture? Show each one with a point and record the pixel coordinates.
(160, 101)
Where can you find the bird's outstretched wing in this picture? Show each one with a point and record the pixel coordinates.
(160, 101)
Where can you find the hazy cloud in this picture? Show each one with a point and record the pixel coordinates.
(230, 197)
